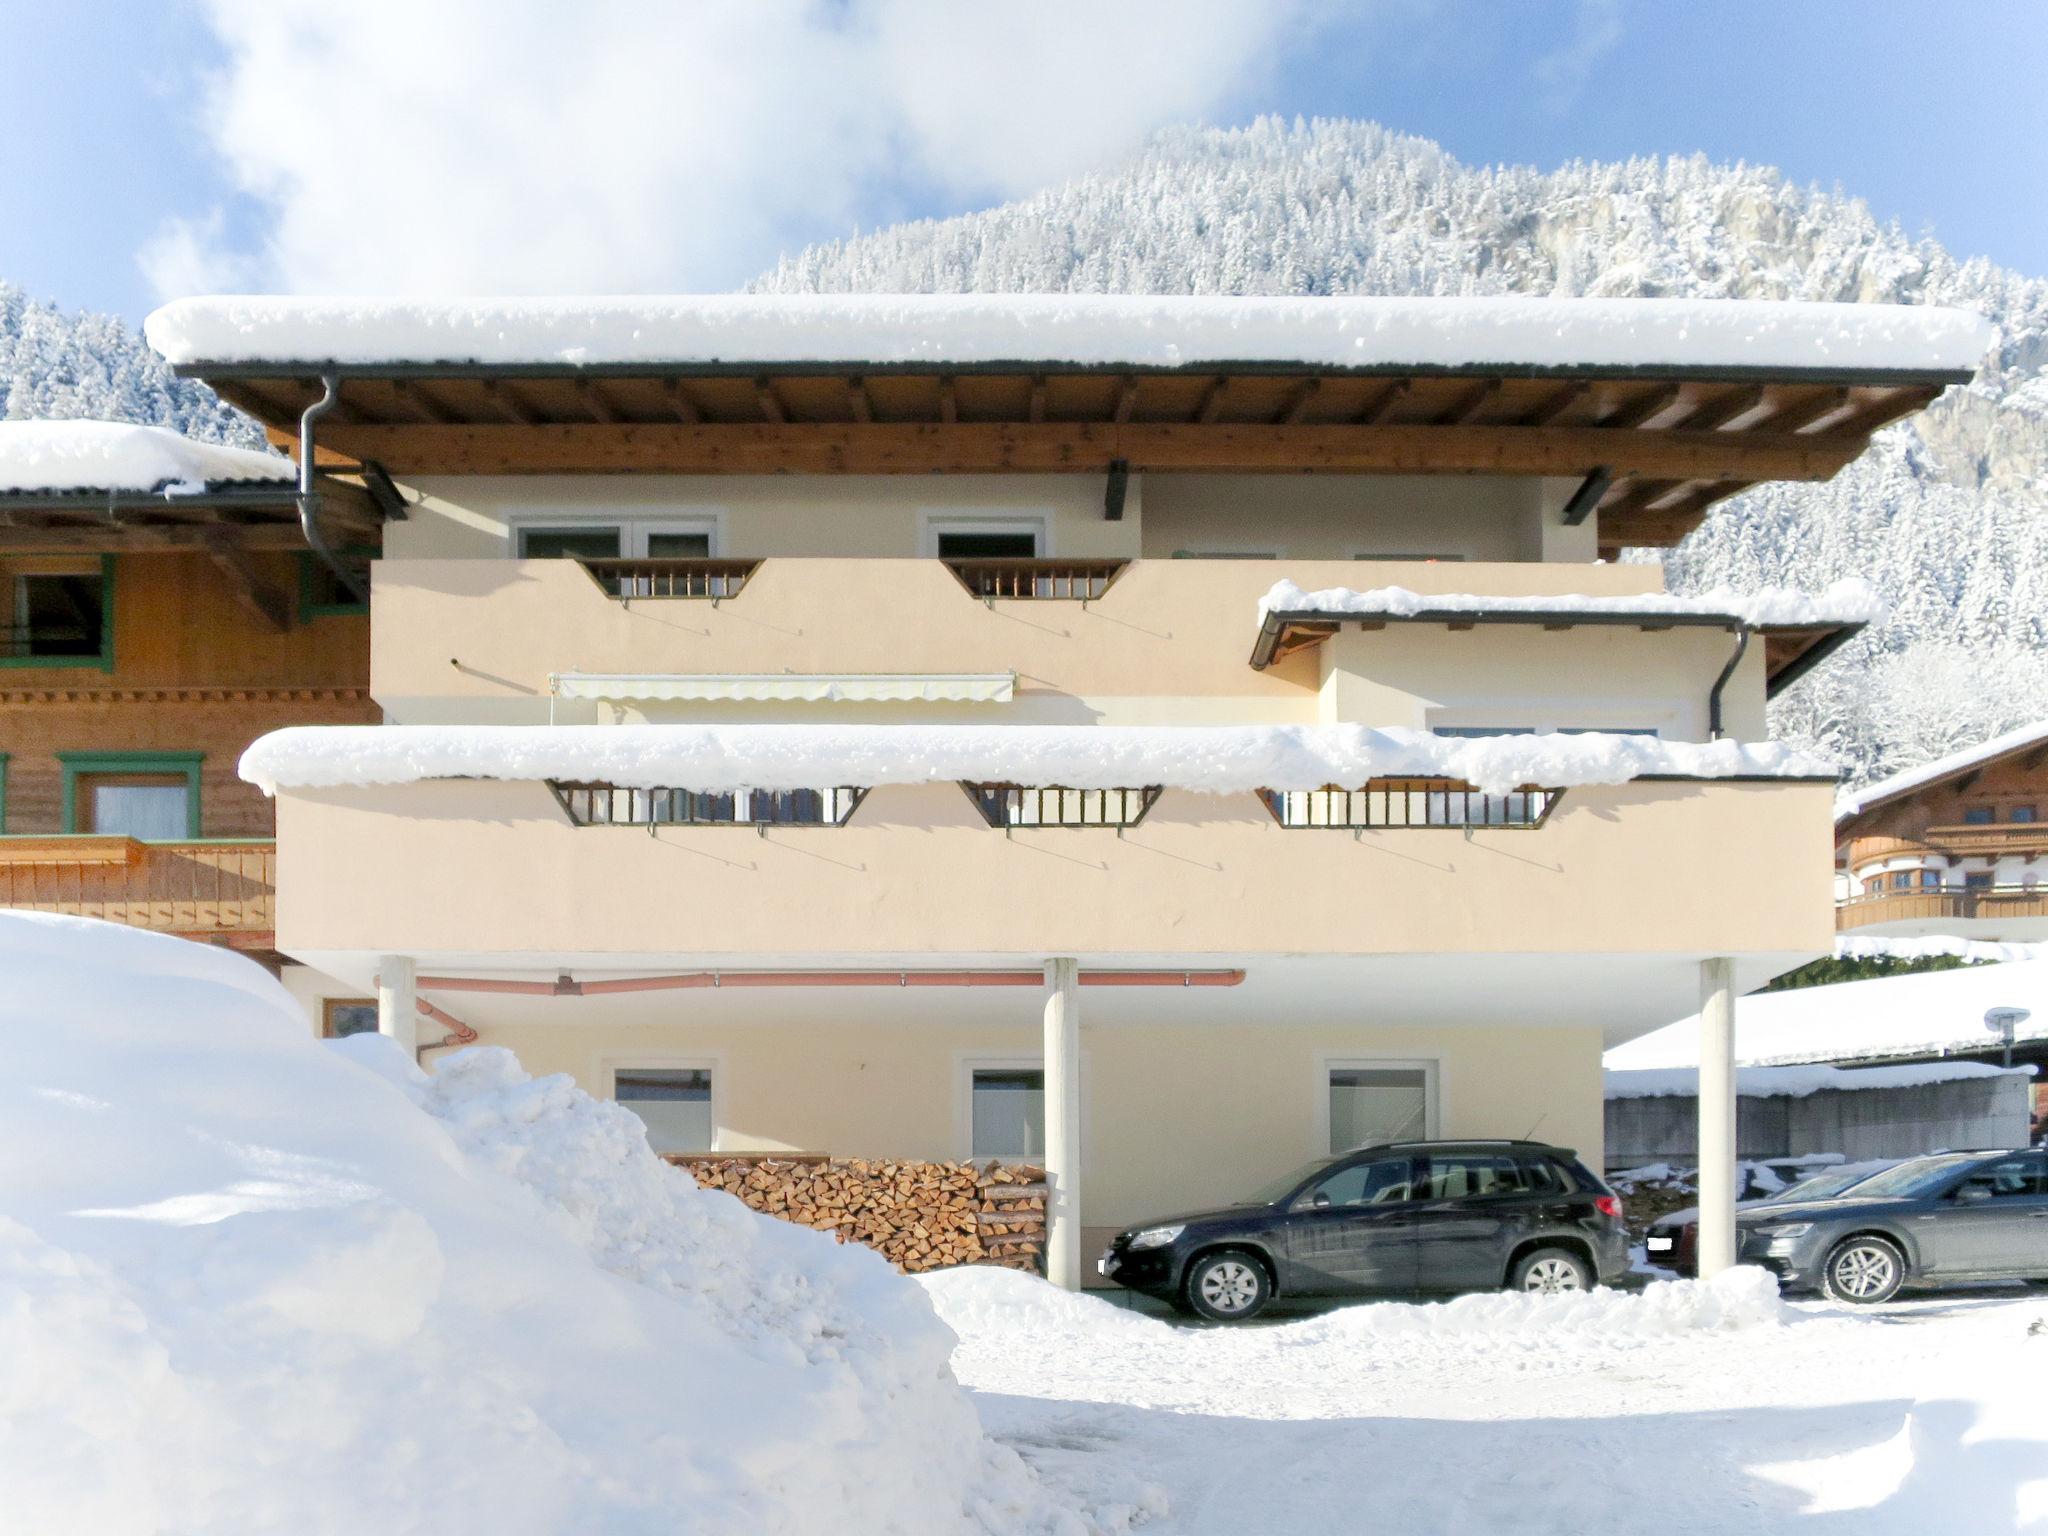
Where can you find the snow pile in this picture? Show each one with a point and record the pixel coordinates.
(986, 1300)
(1935, 946)
(1082, 329)
(1869, 795)
(1800, 1081)
(1744, 1297)
(73, 456)
(1928, 1013)
(248, 1286)
(1850, 601)
(1212, 759)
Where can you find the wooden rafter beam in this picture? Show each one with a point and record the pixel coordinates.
(857, 401)
(987, 447)
(1212, 401)
(1390, 395)
(772, 408)
(597, 403)
(147, 536)
(680, 404)
(1645, 409)
(1716, 414)
(1799, 418)
(949, 401)
(508, 404)
(1301, 402)
(421, 404)
(1553, 405)
(1126, 398)
(1472, 402)
(1035, 410)
(246, 585)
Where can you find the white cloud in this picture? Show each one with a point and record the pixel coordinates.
(1563, 74)
(415, 146)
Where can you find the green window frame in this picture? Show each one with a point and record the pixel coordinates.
(312, 568)
(3, 794)
(104, 662)
(76, 764)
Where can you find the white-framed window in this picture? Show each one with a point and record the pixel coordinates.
(698, 535)
(676, 1099)
(1002, 1107)
(1410, 557)
(984, 536)
(1229, 554)
(1365, 1100)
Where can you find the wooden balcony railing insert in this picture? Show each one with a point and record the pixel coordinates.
(1077, 580)
(630, 580)
(612, 805)
(1052, 805)
(1394, 803)
(1945, 905)
(219, 891)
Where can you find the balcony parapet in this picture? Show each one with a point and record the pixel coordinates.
(1999, 902)
(217, 891)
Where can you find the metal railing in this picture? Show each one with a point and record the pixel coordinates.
(699, 578)
(199, 889)
(1388, 803)
(1078, 580)
(610, 805)
(1053, 805)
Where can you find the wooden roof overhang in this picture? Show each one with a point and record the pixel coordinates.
(242, 514)
(1790, 650)
(1653, 449)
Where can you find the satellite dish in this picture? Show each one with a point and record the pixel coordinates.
(2003, 1021)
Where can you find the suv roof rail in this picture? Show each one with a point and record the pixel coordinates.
(1462, 1141)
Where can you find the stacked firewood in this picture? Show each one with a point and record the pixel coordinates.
(917, 1215)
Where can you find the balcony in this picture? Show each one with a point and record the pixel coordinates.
(1996, 903)
(213, 891)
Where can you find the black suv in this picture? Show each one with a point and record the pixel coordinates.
(1403, 1217)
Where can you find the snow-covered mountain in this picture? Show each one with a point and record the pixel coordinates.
(56, 365)
(1948, 515)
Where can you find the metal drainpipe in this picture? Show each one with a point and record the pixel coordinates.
(309, 498)
(1714, 731)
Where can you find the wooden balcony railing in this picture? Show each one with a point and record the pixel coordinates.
(1020, 578)
(220, 891)
(1946, 905)
(2017, 839)
(631, 579)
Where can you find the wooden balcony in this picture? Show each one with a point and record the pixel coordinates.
(220, 892)
(2023, 839)
(1992, 903)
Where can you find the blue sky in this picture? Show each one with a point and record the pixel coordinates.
(396, 144)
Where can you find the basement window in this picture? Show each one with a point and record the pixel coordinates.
(1007, 1112)
(1021, 805)
(610, 805)
(1372, 1103)
(1394, 803)
(674, 1103)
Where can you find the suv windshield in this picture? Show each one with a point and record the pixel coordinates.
(1822, 1186)
(1280, 1189)
(1921, 1176)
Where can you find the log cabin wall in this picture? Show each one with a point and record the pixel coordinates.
(194, 663)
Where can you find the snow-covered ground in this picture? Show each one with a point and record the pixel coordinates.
(1710, 1409)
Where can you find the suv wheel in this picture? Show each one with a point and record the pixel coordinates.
(1227, 1287)
(1550, 1272)
(1864, 1271)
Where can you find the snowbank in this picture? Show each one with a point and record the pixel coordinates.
(1845, 602)
(1930, 1013)
(1976, 951)
(251, 1285)
(1083, 329)
(1798, 1082)
(61, 456)
(1214, 759)
(1855, 801)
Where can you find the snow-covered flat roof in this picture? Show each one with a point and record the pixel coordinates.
(61, 457)
(1845, 602)
(1091, 330)
(1798, 1082)
(1856, 801)
(1926, 1014)
(1214, 759)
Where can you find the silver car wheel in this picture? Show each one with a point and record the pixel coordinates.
(1865, 1272)
(1553, 1276)
(1229, 1286)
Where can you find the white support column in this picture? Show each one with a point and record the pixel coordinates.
(398, 1012)
(1063, 1123)
(1717, 1116)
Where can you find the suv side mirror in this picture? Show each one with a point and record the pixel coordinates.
(1972, 1194)
(1320, 1200)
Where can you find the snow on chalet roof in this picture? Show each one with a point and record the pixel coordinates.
(1929, 1013)
(1855, 801)
(1214, 759)
(1844, 602)
(1798, 1082)
(1086, 330)
(85, 456)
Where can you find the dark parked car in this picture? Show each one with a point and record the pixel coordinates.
(1930, 1220)
(1672, 1240)
(1405, 1217)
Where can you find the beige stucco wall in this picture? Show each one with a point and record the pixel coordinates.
(469, 866)
(1173, 1117)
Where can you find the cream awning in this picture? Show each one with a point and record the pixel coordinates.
(807, 687)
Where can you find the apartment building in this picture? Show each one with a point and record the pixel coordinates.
(160, 610)
(1952, 847)
(1165, 739)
